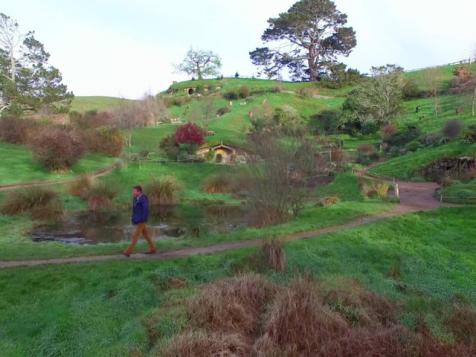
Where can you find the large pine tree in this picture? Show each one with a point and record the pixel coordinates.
(309, 36)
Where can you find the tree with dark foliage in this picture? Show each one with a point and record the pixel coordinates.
(27, 81)
(310, 35)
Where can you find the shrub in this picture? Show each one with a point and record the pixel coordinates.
(308, 92)
(432, 139)
(401, 138)
(376, 189)
(90, 119)
(222, 111)
(81, 187)
(244, 92)
(106, 141)
(170, 147)
(15, 130)
(366, 153)
(232, 305)
(453, 129)
(382, 190)
(176, 101)
(327, 122)
(218, 183)
(410, 89)
(190, 134)
(100, 196)
(470, 134)
(231, 95)
(57, 149)
(163, 191)
(40, 202)
(329, 201)
(388, 131)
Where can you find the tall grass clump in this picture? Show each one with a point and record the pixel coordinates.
(81, 187)
(274, 254)
(249, 316)
(163, 191)
(219, 183)
(41, 203)
(100, 196)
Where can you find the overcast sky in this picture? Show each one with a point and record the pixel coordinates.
(128, 47)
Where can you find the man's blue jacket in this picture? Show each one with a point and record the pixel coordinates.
(140, 209)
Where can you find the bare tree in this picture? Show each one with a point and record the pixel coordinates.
(282, 174)
(11, 41)
(433, 79)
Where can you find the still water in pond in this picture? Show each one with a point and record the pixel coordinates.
(164, 223)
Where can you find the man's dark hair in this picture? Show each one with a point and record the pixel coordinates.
(138, 188)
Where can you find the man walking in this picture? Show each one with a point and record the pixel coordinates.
(140, 216)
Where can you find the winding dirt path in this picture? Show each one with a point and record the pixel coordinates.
(101, 172)
(414, 197)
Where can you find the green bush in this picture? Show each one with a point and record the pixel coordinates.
(326, 122)
(222, 111)
(244, 92)
(470, 134)
(231, 95)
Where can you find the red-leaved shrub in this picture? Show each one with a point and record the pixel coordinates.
(190, 134)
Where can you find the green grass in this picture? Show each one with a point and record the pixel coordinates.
(109, 308)
(445, 73)
(99, 103)
(460, 192)
(408, 167)
(426, 119)
(17, 166)
(228, 84)
(15, 243)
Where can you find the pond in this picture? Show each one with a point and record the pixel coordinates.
(169, 222)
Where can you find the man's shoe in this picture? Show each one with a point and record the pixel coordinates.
(151, 252)
(126, 254)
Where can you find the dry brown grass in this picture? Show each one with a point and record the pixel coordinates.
(219, 183)
(233, 305)
(298, 322)
(81, 187)
(462, 323)
(163, 191)
(359, 307)
(329, 201)
(249, 316)
(274, 254)
(41, 203)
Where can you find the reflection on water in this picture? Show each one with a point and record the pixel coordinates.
(166, 222)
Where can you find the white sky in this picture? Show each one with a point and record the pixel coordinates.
(128, 47)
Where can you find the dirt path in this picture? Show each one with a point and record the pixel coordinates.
(102, 172)
(414, 197)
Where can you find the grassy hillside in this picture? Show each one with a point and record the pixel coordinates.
(17, 166)
(127, 307)
(408, 166)
(99, 103)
